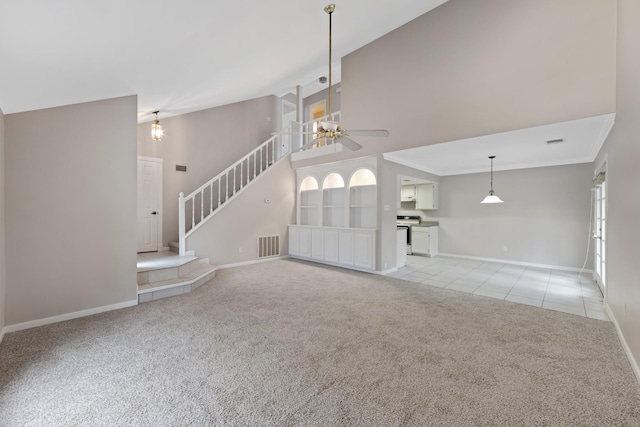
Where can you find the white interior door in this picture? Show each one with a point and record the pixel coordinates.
(149, 204)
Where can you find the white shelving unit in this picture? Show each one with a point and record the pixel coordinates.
(337, 223)
(333, 214)
(363, 199)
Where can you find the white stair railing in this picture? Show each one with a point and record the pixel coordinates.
(202, 204)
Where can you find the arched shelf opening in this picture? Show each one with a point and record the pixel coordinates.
(309, 183)
(333, 200)
(333, 180)
(362, 177)
(363, 196)
(309, 201)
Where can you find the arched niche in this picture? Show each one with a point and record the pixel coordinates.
(309, 183)
(309, 202)
(363, 199)
(362, 177)
(333, 180)
(333, 214)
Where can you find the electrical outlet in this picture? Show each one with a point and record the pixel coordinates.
(240, 250)
(505, 249)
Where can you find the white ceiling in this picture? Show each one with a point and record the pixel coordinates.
(178, 56)
(525, 148)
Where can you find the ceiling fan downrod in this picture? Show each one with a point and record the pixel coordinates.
(329, 9)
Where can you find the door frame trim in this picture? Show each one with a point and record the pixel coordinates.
(160, 214)
(602, 167)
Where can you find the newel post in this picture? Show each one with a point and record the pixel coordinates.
(181, 225)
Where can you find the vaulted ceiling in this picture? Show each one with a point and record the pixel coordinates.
(178, 56)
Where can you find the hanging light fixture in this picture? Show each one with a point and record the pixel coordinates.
(156, 129)
(492, 198)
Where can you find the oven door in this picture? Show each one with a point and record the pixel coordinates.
(408, 228)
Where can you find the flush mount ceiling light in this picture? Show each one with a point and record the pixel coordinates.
(492, 198)
(156, 129)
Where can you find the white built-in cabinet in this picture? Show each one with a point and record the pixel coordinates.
(424, 240)
(337, 215)
(408, 193)
(425, 195)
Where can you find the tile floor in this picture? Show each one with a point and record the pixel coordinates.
(540, 287)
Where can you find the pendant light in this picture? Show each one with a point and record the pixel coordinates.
(156, 129)
(492, 198)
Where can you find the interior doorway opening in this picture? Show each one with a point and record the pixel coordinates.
(600, 231)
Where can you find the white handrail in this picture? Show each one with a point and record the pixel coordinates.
(264, 157)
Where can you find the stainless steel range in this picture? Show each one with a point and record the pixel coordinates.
(407, 222)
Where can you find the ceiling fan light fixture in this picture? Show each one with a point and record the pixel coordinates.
(492, 198)
(156, 129)
(330, 131)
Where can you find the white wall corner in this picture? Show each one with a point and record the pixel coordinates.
(623, 341)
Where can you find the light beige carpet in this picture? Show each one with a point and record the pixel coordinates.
(292, 343)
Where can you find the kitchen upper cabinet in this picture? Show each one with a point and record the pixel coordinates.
(408, 193)
(426, 196)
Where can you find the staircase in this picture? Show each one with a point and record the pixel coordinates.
(164, 274)
(195, 209)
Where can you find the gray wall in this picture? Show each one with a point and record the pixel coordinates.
(70, 209)
(544, 218)
(248, 216)
(622, 152)
(207, 142)
(471, 68)
(3, 277)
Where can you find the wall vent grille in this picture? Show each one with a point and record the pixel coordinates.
(268, 246)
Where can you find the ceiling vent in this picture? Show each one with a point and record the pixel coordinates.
(555, 141)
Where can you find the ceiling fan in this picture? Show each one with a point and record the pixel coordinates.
(331, 129)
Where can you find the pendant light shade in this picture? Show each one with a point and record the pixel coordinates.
(492, 198)
(156, 129)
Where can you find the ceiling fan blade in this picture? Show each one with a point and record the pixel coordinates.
(349, 143)
(368, 132)
(311, 143)
(293, 133)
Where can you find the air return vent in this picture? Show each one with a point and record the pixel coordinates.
(555, 141)
(268, 246)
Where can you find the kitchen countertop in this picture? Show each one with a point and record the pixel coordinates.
(426, 224)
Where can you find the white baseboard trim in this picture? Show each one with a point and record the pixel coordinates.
(527, 264)
(68, 316)
(254, 261)
(388, 271)
(625, 346)
(334, 264)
